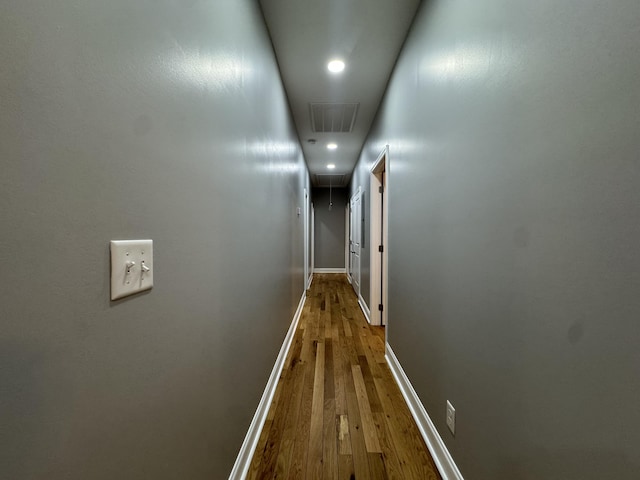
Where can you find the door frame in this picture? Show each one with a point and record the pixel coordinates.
(348, 242)
(312, 245)
(347, 257)
(355, 275)
(379, 235)
(305, 220)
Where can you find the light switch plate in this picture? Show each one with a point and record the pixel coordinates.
(131, 267)
(451, 417)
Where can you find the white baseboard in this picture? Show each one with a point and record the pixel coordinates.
(365, 309)
(310, 281)
(243, 461)
(329, 270)
(432, 438)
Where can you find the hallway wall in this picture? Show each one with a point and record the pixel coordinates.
(149, 119)
(513, 244)
(329, 227)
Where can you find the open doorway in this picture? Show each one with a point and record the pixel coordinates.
(379, 235)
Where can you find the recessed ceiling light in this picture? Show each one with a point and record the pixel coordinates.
(331, 166)
(335, 66)
(332, 146)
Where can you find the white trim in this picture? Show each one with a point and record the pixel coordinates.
(243, 461)
(364, 308)
(346, 241)
(312, 243)
(379, 235)
(375, 240)
(305, 220)
(329, 270)
(355, 274)
(432, 438)
(310, 280)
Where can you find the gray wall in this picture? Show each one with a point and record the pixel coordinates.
(146, 119)
(514, 205)
(329, 227)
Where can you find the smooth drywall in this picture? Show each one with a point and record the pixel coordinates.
(141, 119)
(514, 237)
(329, 234)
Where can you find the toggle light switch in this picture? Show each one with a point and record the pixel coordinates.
(131, 267)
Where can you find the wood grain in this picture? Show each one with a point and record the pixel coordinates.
(337, 412)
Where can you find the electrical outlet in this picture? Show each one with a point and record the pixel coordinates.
(451, 417)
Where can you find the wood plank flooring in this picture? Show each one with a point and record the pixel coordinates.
(337, 412)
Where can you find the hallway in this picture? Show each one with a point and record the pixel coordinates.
(337, 411)
(509, 134)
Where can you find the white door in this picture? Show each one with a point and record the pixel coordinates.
(312, 247)
(355, 230)
(378, 244)
(305, 219)
(350, 243)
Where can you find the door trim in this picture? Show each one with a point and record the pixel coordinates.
(305, 219)
(346, 241)
(356, 276)
(312, 245)
(379, 235)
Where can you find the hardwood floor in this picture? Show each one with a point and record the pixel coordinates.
(337, 412)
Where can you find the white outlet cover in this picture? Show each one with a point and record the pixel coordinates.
(451, 417)
(137, 278)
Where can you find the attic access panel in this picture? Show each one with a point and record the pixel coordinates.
(329, 180)
(333, 117)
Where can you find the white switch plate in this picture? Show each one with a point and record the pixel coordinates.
(139, 275)
(451, 417)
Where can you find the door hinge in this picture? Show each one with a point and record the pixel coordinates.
(381, 248)
(380, 307)
(380, 189)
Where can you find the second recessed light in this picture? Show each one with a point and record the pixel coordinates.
(332, 146)
(335, 66)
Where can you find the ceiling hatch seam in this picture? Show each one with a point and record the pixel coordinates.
(327, 117)
(329, 179)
